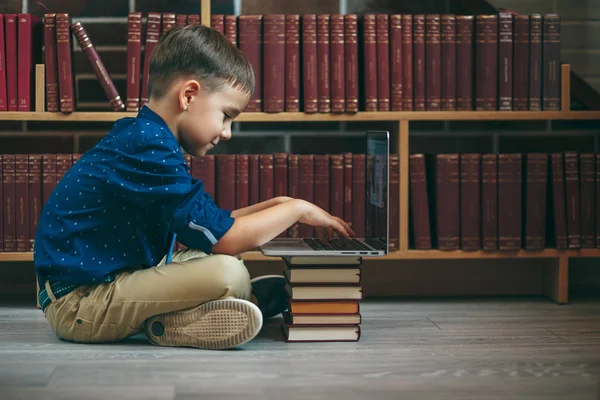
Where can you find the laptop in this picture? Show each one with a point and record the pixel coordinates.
(375, 242)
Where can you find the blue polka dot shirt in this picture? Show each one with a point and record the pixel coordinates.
(120, 205)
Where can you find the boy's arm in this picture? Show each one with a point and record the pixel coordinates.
(259, 206)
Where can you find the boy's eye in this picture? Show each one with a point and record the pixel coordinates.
(226, 117)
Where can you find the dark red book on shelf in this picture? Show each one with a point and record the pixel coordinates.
(193, 19)
(558, 201)
(1, 204)
(348, 171)
(489, 201)
(383, 62)
(419, 202)
(48, 175)
(322, 181)
(266, 177)
(535, 63)
(309, 63)
(293, 183)
(407, 62)
(448, 52)
(280, 178)
(551, 70)
(464, 63)
(51, 67)
(225, 181)
(180, 20)
(63, 163)
(394, 202)
(419, 62)
(22, 202)
(103, 77)
(358, 194)
(587, 166)
(323, 63)
(203, 169)
(9, 209)
(134, 56)
(396, 61)
(447, 197)
(3, 100)
(486, 63)
(241, 181)
(572, 199)
(274, 63)
(29, 53)
(336, 187)
(217, 22)
(292, 63)
(254, 177)
(152, 37)
(231, 28)
(370, 62)
(35, 195)
(351, 62)
(337, 73)
(433, 86)
(306, 172)
(64, 49)
(536, 200)
(470, 201)
(509, 201)
(251, 45)
(521, 63)
(505, 57)
(168, 22)
(10, 37)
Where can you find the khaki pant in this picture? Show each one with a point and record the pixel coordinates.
(113, 311)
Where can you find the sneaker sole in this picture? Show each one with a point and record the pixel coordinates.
(216, 325)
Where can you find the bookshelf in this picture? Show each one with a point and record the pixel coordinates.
(555, 273)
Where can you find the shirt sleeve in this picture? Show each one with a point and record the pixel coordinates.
(155, 177)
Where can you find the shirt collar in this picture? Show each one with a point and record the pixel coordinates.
(148, 114)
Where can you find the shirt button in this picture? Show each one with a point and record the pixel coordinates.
(79, 321)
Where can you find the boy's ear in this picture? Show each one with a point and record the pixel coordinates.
(187, 93)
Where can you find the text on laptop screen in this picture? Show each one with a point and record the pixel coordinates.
(377, 168)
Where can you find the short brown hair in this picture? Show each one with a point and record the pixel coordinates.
(201, 52)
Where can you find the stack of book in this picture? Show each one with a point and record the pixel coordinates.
(323, 295)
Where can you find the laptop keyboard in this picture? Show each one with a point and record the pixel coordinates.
(340, 244)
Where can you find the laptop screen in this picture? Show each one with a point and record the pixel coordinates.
(377, 190)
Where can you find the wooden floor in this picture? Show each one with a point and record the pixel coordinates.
(525, 348)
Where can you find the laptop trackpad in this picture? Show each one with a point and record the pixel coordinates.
(288, 244)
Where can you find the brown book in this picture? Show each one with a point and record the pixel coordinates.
(217, 22)
(35, 195)
(280, 178)
(322, 181)
(336, 187)
(572, 199)
(433, 86)
(292, 63)
(509, 201)
(9, 209)
(203, 169)
(180, 20)
(251, 45)
(383, 62)
(536, 201)
(489, 201)
(558, 200)
(193, 19)
(358, 194)
(293, 184)
(407, 62)
(587, 162)
(505, 57)
(309, 63)
(337, 72)
(306, 171)
(231, 28)
(22, 202)
(369, 56)
(322, 274)
(394, 203)
(551, 70)
(486, 63)
(448, 52)
(63, 164)
(324, 292)
(470, 201)
(254, 177)
(99, 69)
(51, 67)
(351, 62)
(134, 56)
(298, 320)
(48, 175)
(324, 307)
(274, 60)
(521, 63)
(323, 63)
(3, 99)
(419, 61)
(464, 62)
(348, 171)
(1, 204)
(152, 37)
(168, 22)
(225, 181)
(396, 61)
(266, 177)
(535, 63)
(64, 49)
(419, 202)
(29, 31)
(241, 181)
(11, 58)
(447, 201)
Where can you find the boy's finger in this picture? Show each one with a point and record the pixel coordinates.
(340, 228)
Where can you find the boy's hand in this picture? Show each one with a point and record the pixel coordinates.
(325, 223)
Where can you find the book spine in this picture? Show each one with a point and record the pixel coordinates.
(338, 100)
(535, 63)
(280, 178)
(505, 56)
(152, 37)
(24, 62)
(394, 203)
(348, 188)
(134, 53)
(180, 20)
(383, 61)
(241, 181)
(521, 63)
(225, 181)
(351, 62)
(587, 163)
(464, 62)
(370, 62)
(21, 202)
(251, 45)
(535, 201)
(9, 209)
(419, 202)
(193, 19)
(448, 78)
(559, 204)
(266, 177)
(292, 63)
(448, 201)
(49, 61)
(396, 77)
(336, 187)
(254, 176)
(217, 22)
(309, 63)
(551, 70)
(323, 62)
(509, 201)
(48, 175)
(99, 69)
(3, 102)
(204, 170)
(35, 195)
(168, 22)
(63, 163)
(11, 61)
(358, 194)
(489, 201)
(322, 181)
(231, 28)
(306, 168)
(1, 204)
(572, 199)
(433, 87)
(486, 63)
(407, 62)
(293, 192)
(419, 61)
(274, 63)
(470, 201)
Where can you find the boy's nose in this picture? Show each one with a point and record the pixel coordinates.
(226, 134)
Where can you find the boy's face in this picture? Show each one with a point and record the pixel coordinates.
(208, 117)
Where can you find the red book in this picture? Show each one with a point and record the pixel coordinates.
(521, 63)
(396, 77)
(370, 62)
(225, 181)
(505, 55)
(433, 87)
(447, 201)
(22, 202)
(323, 62)
(348, 172)
(251, 45)
(509, 201)
(11, 60)
(559, 204)
(551, 71)
(134, 54)
(419, 61)
(322, 181)
(168, 22)
(336, 187)
(293, 183)
(587, 162)
(470, 201)
(486, 71)
(64, 50)
(309, 63)
(152, 37)
(35, 195)
(203, 169)
(489, 201)
(241, 181)
(572, 199)
(338, 80)
(383, 62)
(180, 20)
(9, 209)
(407, 67)
(351, 57)
(292, 63)
(274, 62)
(3, 100)
(254, 177)
(464, 62)
(266, 177)
(535, 63)
(28, 55)
(193, 19)
(51, 67)
(280, 178)
(48, 175)
(394, 203)
(358, 194)
(306, 172)
(536, 201)
(448, 66)
(231, 28)
(217, 22)
(419, 202)
(63, 164)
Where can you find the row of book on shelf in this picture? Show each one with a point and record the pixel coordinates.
(316, 62)
(334, 182)
(505, 201)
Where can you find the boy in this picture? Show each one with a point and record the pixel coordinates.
(102, 236)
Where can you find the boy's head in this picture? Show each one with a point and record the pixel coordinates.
(199, 82)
